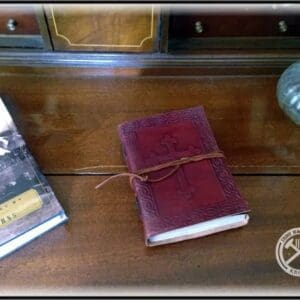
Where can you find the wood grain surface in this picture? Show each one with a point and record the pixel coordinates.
(70, 123)
(103, 246)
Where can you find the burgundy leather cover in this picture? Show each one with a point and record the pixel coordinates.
(198, 191)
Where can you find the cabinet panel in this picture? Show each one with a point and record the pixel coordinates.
(103, 27)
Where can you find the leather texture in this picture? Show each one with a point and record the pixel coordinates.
(198, 191)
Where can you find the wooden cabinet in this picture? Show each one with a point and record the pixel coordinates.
(19, 26)
(114, 28)
(234, 27)
(150, 28)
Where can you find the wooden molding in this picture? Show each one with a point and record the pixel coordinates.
(164, 64)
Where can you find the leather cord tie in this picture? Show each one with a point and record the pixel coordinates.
(142, 174)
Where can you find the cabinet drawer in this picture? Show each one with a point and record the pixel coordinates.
(239, 28)
(201, 26)
(18, 20)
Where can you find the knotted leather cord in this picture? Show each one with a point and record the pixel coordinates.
(140, 174)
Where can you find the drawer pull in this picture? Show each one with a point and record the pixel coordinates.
(282, 26)
(11, 24)
(199, 27)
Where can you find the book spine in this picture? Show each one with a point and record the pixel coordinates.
(137, 199)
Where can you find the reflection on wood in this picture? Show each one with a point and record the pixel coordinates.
(70, 122)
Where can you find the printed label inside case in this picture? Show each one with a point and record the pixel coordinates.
(19, 206)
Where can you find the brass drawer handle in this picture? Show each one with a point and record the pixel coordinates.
(11, 24)
(199, 27)
(282, 26)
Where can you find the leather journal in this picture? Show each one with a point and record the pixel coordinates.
(183, 186)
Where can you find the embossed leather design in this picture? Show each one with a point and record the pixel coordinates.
(198, 191)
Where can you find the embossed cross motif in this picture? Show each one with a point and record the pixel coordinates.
(169, 143)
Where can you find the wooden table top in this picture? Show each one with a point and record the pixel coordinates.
(69, 123)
